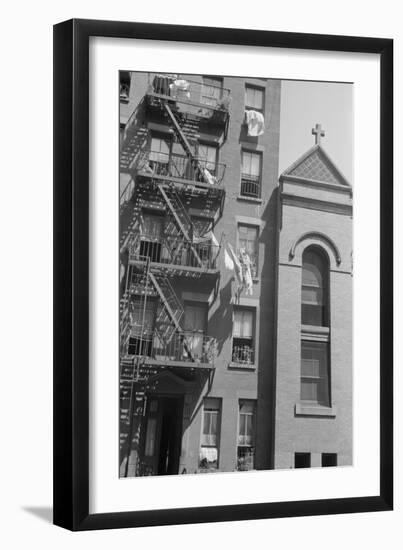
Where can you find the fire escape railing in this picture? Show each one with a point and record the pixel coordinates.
(209, 97)
(173, 250)
(181, 347)
(154, 163)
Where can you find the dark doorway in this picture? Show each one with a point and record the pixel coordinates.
(171, 431)
(162, 435)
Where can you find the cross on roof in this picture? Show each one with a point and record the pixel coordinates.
(318, 133)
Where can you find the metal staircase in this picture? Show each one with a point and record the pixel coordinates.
(180, 216)
(183, 140)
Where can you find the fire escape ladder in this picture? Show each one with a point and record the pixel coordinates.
(181, 217)
(185, 143)
(172, 307)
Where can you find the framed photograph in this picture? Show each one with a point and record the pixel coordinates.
(223, 319)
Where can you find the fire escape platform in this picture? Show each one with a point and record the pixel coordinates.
(184, 184)
(128, 361)
(179, 270)
(219, 115)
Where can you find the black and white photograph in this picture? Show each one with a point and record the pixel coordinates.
(236, 274)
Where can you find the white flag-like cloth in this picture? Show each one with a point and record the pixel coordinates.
(255, 123)
(237, 265)
(214, 240)
(229, 264)
(246, 272)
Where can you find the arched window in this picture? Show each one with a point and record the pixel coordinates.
(315, 288)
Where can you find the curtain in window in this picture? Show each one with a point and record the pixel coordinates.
(211, 91)
(254, 98)
(243, 324)
(251, 164)
(159, 150)
(246, 423)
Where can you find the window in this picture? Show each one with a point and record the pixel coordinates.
(315, 269)
(250, 176)
(151, 237)
(329, 459)
(212, 89)
(208, 155)
(124, 91)
(315, 372)
(142, 321)
(248, 240)
(210, 439)
(246, 435)
(243, 340)
(254, 98)
(195, 327)
(302, 460)
(159, 154)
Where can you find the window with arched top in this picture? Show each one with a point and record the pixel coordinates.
(315, 288)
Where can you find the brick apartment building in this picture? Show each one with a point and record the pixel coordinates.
(215, 375)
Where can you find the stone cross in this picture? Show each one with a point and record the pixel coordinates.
(318, 133)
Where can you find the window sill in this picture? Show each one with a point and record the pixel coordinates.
(241, 366)
(306, 409)
(313, 332)
(249, 199)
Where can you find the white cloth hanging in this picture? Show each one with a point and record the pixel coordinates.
(246, 271)
(237, 266)
(255, 123)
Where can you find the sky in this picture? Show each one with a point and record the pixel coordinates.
(304, 104)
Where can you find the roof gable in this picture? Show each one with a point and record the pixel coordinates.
(316, 166)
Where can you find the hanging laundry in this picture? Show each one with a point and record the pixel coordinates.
(246, 271)
(255, 123)
(209, 177)
(229, 264)
(237, 266)
(180, 89)
(214, 239)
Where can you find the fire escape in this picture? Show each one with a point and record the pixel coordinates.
(152, 336)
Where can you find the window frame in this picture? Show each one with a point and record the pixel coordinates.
(253, 338)
(325, 288)
(253, 446)
(218, 403)
(255, 271)
(258, 181)
(255, 88)
(204, 86)
(315, 344)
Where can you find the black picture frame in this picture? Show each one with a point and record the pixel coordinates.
(71, 274)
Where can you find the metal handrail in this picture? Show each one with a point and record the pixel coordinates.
(184, 346)
(250, 185)
(192, 91)
(179, 166)
(243, 355)
(174, 250)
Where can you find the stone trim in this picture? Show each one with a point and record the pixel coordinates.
(304, 409)
(316, 235)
